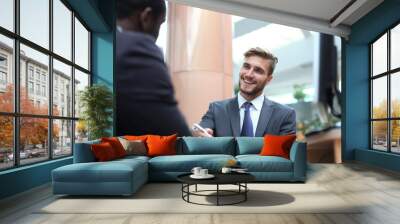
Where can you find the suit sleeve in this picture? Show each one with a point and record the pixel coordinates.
(208, 119)
(289, 124)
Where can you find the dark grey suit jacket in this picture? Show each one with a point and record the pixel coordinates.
(144, 92)
(224, 118)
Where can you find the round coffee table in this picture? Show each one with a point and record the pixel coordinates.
(238, 179)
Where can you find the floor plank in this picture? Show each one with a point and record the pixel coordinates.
(376, 190)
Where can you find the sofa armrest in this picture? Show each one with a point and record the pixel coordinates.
(298, 155)
(83, 152)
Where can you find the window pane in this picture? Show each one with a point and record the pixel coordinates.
(81, 131)
(62, 29)
(62, 138)
(33, 139)
(6, 142)
(395, 47)
(395, 136)
(35, 21)
(62, 89)
(7, 14)
(379, 55)
(6, 74)
(81, 81)
(379, 135)
(34, 79)
(379, 97)
(395, 94)
(81, 45)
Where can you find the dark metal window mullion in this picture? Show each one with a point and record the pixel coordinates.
(73, 83)
(16, 83)
(389, 114)
(371, 123)
(50, 87)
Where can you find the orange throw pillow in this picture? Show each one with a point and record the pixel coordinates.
(277, 145)
(103, 151)
(142, 138)
(161, 145)
(134, 137)
(116, 145)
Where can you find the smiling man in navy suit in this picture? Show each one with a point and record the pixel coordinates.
(144, 93)
(250, 113)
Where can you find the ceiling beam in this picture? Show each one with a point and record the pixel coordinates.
(269, 15)
(346, 12)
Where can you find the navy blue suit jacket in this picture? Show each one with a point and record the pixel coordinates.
(145, 102)
(224, 118)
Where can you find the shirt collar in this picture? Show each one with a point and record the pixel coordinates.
(120, 29)
(257, 102)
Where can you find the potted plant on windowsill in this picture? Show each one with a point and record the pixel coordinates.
(96, 104)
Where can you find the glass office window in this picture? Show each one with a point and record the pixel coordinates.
(395, 136)
(379, 56)
(395, 95)
(62, 29)
(7, 14)
(40, 62)
(379, 98)
(81, 45)
(81, 81)
(6, 142)
(395, 47)
(62, 138)
(379, 133)
(33, 140)
(385, 94)
(36, 126)
(61, 75)
(6, 74)
(34, 21)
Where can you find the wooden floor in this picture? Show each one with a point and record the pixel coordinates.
(377, 188)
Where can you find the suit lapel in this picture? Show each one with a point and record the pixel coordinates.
(234, 116)
(265, 115)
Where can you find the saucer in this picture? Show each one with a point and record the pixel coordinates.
(208, 176)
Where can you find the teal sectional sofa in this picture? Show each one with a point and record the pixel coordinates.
(125, 176)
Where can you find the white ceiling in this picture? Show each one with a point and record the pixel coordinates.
(321, 9)
(313, 15)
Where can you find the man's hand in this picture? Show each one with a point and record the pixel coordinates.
(198, 133)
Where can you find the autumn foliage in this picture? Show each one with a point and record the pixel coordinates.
(33, 131)
(380, 127)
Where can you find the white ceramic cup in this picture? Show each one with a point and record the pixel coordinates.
(226, 170)
(196, 170)
(203, 172)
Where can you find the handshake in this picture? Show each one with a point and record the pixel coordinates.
(199, 131)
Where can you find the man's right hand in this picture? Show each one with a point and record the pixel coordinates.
(198, 133)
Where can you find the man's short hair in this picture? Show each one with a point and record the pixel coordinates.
(258, 51)
(125, 8)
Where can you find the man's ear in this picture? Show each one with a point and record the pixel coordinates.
(146, 17)
(270, 77)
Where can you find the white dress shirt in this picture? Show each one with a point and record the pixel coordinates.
(255, 110)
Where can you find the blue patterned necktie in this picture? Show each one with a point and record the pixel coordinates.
(247, 128)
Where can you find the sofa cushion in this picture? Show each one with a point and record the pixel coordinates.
(116, 145)
(257, 163)
(185, 163)
(161, 145)
(83, 152)
(215, 145)
(133, 147)
(103, 152)
(132, 158)
(112, 171)
(277, 145)
(249, 145)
